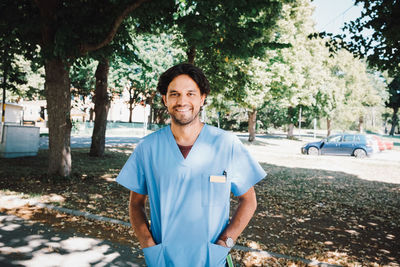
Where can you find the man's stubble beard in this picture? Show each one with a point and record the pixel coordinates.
(185, 122)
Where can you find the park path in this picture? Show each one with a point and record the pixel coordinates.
(85, 141)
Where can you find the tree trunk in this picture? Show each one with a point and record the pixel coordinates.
(101, 107)
(150, 101)
(361, 124)
(160, 115)
(191, 54)
(252, 124)
(91, 113)
(395, 119)
(328, 126)
(130, 112)
(290, 134)
(58, 96)
(291, 114)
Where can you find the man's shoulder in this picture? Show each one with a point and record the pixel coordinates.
(220, 133)
(153, 138)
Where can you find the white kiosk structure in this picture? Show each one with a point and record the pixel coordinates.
(17, 140)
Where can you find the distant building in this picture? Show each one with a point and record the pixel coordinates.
(36, 111)
(13, 113)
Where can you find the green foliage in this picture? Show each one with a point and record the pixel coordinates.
(82, 77)
(139, 75)
(376, 34)
(394, 93)
(235, 28)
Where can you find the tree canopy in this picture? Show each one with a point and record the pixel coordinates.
(376, 34)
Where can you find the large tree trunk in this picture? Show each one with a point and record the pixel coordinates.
(191, 54)
(290, 134)
(328, 126)
(101, 107)
(160, 115)
(361, 124)
(291, 114)
(150, 101)
(395, 119)
(91, 114)
(130, 111)
(57, 88)
(252, 124)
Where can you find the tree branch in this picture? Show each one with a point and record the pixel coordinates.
(85, 48)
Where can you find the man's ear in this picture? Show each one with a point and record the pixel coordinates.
(164, 99)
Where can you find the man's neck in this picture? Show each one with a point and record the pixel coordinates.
(186, 135)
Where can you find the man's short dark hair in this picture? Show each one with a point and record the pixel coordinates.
(192, 71)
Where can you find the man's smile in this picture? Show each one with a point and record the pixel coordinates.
(183, 109)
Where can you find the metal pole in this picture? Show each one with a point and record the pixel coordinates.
(315, 128)
(300, 123)
(3, 113)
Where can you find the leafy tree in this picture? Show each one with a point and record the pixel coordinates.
(83, 83)
(356, 90)
(155, 53)
(296, 73)
(228, 41)
(231, 28)
(376, 34)
(26, 82)
(394, 101)
(11, 47)
(65, 30)
(306, 78)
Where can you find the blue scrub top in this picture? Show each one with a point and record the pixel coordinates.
(188, 209)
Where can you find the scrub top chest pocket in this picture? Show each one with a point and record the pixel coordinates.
(216, 188)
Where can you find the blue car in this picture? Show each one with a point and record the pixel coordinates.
(358, 145)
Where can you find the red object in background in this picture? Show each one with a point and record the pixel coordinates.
(388, 144)
(381, 143)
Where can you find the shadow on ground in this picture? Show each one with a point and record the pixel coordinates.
(331, 216)
(31, 244)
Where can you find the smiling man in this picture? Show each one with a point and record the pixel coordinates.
(187, 170)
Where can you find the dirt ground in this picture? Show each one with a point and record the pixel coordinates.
(334, 209)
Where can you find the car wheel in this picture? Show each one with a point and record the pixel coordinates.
(360, 153)
(313, 151)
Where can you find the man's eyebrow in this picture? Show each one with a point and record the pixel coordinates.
(175, 91)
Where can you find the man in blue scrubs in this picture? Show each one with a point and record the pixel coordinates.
(187, 170)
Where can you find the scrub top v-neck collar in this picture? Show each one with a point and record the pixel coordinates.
(178, 154)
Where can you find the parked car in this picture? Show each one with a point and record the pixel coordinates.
(358, 145)
(388, 144)
(381, 143)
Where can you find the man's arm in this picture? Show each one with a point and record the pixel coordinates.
(138, 219)
(243, 214)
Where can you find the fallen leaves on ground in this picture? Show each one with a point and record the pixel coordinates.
(318, 215)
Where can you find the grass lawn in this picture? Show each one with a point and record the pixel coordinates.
(330, 216)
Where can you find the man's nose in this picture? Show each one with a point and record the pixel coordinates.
(182, 99)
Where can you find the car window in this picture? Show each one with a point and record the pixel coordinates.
(357, 139)
(335, 138)
(348, 138)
